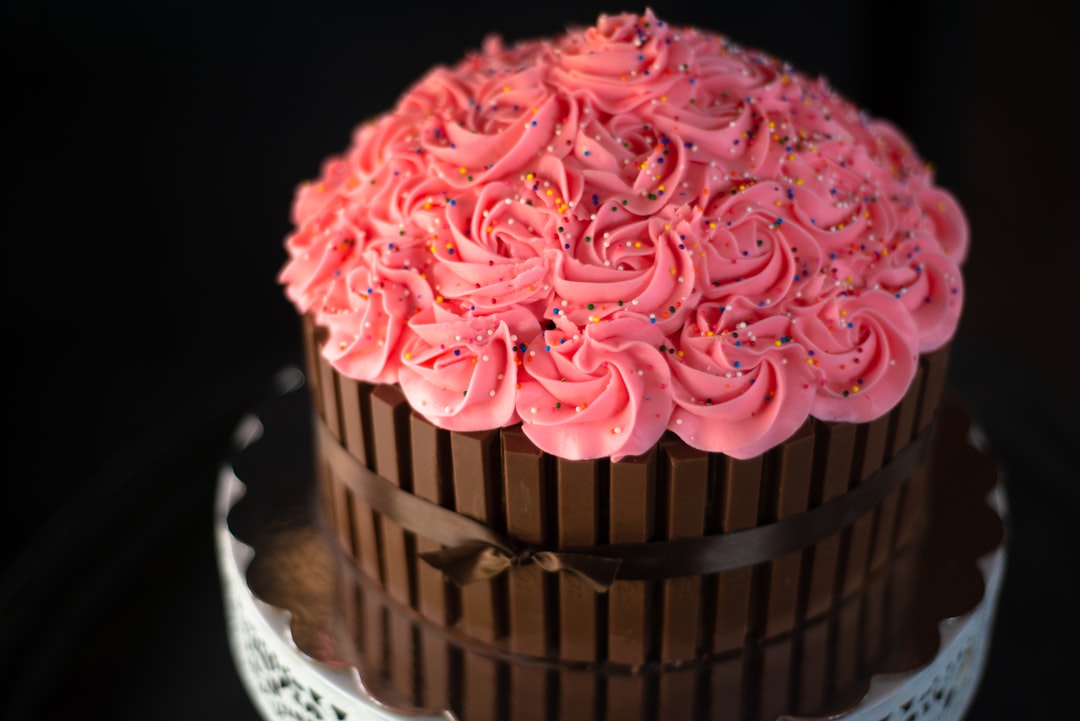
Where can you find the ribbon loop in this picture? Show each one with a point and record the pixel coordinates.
(471, 562)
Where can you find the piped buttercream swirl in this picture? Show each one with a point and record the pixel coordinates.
(630, 229)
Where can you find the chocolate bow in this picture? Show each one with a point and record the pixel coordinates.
(471, 562)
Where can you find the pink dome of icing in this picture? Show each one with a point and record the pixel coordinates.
(629, 229)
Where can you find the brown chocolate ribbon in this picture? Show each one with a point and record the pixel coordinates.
(475, 552)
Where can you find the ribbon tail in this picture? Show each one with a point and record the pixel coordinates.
(469, 562)
(598, 572)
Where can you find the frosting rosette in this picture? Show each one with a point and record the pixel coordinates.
(599, 391)
(494, 256)
(622, 63)
(629, 229)
(741, 385)
(749, 251)
(512, 116)
(641, 266)
(461, 372)
(322, 249)
(366, 312)
(629, 164)
(844, 209)
(865, 350)
(927, 283)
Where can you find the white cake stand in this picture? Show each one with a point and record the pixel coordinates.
(285, 682)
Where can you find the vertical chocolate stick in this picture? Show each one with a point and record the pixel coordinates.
(903, 426)
(430, 449)
(777, 685)
(577, 484)
(353, 401)
(526, 518)
(738, 511)
(813, 684)
(913, 504)
(353, 397)
(834, 451)
(735, 508)
(794, 468)
(872, 440)
(937, 367)
(336, 492)
(476, 490)
(577, 490)
(836, 448)
(846, 652)
(328, 397)
(725, 689)
(311, 362)
(685, 486)
(874, 600)
(390, 433)
(366, 533)
(631, 519)
(474, 483)
(430, 455)
(873, 622)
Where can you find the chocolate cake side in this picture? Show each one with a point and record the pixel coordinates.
(798, 633)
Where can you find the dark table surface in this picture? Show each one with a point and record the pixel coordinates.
(152, 154)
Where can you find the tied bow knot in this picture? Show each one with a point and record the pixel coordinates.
(470, 562)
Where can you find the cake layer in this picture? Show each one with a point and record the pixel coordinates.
(768, 616)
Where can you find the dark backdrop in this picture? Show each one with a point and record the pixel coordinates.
(152, 150)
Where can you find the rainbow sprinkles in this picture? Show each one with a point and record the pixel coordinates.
(631, 229)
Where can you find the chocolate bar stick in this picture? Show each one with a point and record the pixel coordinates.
(436, 600)
(526, 519)
(631, 519)
(794, 472)
(870, 446)
(477, 493)
(390, 433)
(738, 509)
(685, 484)
(834, 451)
(577, 500)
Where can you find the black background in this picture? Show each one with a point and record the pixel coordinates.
(151, 153)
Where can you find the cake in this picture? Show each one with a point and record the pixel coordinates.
(625, 351)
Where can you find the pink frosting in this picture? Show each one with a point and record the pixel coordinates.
(604, 390)
(461, 372)
(741, 385)
(629, 229)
